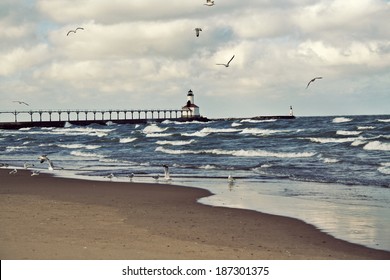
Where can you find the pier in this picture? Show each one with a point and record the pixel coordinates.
(58, 118)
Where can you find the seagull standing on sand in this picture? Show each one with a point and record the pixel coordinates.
(13, 171)
(131, 176)
(166, 172)
(44, 158)
(197, 30)
(231, 179)
(312, 80)
(209, 3)
(35, 173)
(74, 31)
(227, 64)
(27, 165)
(21, 102)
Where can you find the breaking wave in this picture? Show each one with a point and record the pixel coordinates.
(341, 120)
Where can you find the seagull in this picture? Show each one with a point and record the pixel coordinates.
(227, 64)
(110, 176)
(166, 172)
(197, 30)
(44, 158)
(156, 177)
(209, 3)
(312, 80)
(35, 173)
(131, 176)
(13, 171)
(21, 102)
(230, 179)
(74, 31)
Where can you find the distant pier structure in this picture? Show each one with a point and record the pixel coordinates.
(58, 118)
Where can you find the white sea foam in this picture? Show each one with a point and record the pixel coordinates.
(175, 143)
(85, 154)
(127, 140)
(358, 143)
(79, 146)
(258, 121)
(377, 146)
(385, 168)
(236, 124)
(365, 127)
(24, 129)
(159, 134)
(78, 131)
(258, 131)
(384, 120)
(238, 153)
(196, 134)
(347, 133)
(330, 160)
(153, 128)
(219, 130)
(14, 148)
(207, 166)
(330, 140)
(341, 120)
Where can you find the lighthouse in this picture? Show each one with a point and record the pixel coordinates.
(191, 110)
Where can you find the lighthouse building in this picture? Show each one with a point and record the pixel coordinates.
(191, 110)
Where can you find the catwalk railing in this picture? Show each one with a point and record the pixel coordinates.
(94, 115)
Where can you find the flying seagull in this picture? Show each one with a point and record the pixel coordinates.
(44, 158)
(197, 30)
(227, 64)
(74, 31)
(312, 80)
(209, 3)
(21, 102)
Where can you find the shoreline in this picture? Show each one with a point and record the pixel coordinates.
(46, 217)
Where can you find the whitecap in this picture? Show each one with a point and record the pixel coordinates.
(127, 140)
(384, 120)
(236, 124)
(196, 134)
(341, 120)
(153, 128)
(258, 121)
(385, 168)
(258, 131)
(365, 127)
(79, 146)
(159, 135)
(24, 129)
(330, 160)
(347, 133)
(175, 143)
(330, 140)
(207, 166)
(85, 154)
(377, 146)
(238, 153)
(219, 130)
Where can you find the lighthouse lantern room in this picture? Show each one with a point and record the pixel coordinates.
(191, 110)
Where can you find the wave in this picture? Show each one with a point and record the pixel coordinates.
(79, 146)
(195, 134)
(257, 121)
(341, 120)
(219, 130)
(24, 129)
(78, 131)
(377, 146)
(175, 143)
(330, 160)
(259, 131)
(347, 133)
(153, 128)
(365, 127)
(236, 124)
(127, 140)
(330, 140)
(238, 153)
(159, 135)
(385, 168)
(10, 149)
(84, 154)
(384, 120)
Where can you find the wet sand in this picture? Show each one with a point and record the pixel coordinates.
(44, 217)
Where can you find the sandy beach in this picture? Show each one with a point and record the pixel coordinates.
(44, 217)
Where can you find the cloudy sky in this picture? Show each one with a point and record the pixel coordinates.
(143, 54)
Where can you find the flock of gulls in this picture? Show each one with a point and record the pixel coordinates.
(44, 158)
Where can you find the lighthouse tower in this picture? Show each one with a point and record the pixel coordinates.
(191, 110)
